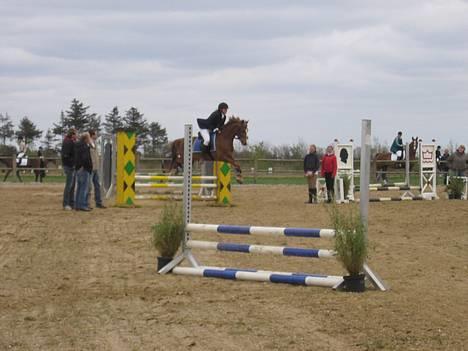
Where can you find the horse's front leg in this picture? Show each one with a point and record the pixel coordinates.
(19, 176)
(236, 165)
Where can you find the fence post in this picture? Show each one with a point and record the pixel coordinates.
(13, 166)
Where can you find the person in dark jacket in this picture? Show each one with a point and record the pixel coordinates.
(83, 168)
(311, 168)
(329, 169)
(444, 167)
(397, 146)
(40, 173)
(68, 164)
(212, 123)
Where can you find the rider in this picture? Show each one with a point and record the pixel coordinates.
(397, 145)
(212, 123)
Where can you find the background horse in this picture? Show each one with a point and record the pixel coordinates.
(383, 167)
(235, 128)
(32, 163)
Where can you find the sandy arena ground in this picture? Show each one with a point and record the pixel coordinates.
(87, 281)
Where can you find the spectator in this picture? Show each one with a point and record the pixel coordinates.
(443, 167)
(40, 173)
(83, 168)
(438, 155)
(457, 162)
(311, 168)
(329, 169)
(94, 181)
(68, 164)
(397, 146)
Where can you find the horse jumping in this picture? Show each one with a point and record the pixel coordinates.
(235, 128)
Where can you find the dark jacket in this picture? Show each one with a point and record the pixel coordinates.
(68, 152)
(83, 157)
(397, 145)
(216, 120)
(311, 163)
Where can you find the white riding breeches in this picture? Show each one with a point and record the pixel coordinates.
(205, 133)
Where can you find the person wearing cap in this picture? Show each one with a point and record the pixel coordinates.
(68, 165)
(329, 169)
(214, 122)
(457, 162)
(397, 146)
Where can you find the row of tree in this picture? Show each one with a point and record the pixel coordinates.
(151, 135)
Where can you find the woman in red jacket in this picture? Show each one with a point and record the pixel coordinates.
(329, 168)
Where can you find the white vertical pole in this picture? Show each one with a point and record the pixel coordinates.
(407, 166)
(187, 178)
(366, 142)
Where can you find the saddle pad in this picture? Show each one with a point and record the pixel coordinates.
(199, 141)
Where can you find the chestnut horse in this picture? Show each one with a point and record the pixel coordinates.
(235, 128)
(33, 163)
(383, 167)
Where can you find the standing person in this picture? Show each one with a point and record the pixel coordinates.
(457, 162)
(329, 169)
(311, 168)
(444, 168)
(397, 146)
(212, 123)
(83, 168)
(40, 173)
(68, 164)
(94, 180)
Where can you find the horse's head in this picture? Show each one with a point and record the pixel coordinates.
(413, 147)
(237, 128)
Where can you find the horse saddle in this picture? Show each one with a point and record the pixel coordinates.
(21, 159)
(199, 141)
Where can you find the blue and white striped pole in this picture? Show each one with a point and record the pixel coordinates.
(262, 276)
(252, 230)
(261, 249)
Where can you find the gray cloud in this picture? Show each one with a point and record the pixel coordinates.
(303, 70)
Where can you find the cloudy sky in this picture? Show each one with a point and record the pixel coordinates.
(298, 70)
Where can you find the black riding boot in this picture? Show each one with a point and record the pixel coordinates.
(314, 196)
(205, 149)
(330, 196)
(310, 197)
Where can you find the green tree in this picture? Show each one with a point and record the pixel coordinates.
(77, 117)
(59, 128)
(28, 130)
(50, 140)
(135, 121)
(113, 121)
(6, 128)
(158, 138)
(94, 123)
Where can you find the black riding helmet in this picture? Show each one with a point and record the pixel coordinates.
(222, 106)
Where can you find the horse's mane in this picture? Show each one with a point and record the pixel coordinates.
(233, 120)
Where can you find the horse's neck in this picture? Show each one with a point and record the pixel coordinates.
(229, 132)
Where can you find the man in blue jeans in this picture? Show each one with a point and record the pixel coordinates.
(94, 181)
(83, 168)
(68, 164)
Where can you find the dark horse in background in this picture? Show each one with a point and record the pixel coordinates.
(235, 128)
(36, 164)
(382, 167)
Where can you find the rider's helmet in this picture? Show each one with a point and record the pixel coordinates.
(222, 106)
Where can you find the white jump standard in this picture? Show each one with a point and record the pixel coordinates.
(196, 269)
